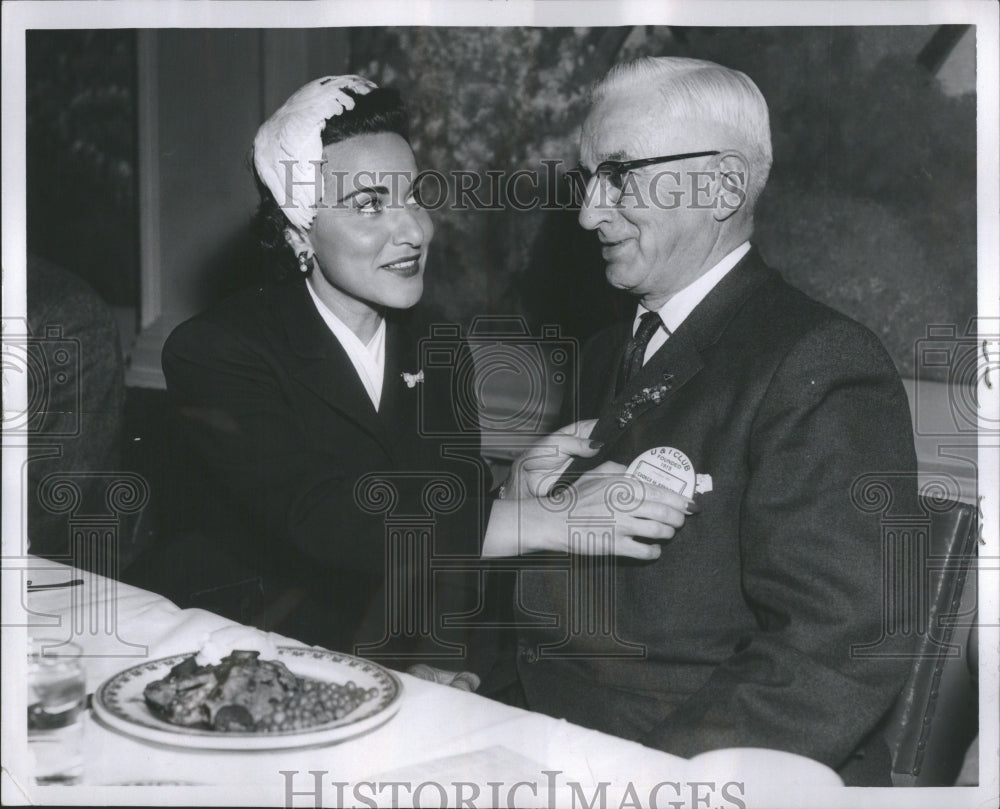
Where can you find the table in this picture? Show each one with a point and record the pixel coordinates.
(442, 746)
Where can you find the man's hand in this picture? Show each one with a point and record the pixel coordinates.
(536, 470)
(462, 680)
(641, 515)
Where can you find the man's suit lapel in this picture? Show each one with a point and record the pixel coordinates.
(659, 380)
(320, 362)
(680, 358)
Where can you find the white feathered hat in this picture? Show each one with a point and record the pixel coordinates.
(291, 138)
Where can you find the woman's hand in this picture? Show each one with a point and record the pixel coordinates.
(576, 519)
(462, 680)
(536, 470)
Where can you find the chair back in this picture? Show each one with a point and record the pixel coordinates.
(935, 717)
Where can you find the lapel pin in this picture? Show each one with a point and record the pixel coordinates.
(666, 467)
(654, 394)
(671, 469)
(413, 379)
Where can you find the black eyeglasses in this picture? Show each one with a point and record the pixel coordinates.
(614, 171)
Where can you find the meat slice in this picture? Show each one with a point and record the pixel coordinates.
(180, 696)
(259, 686)
(233, 695)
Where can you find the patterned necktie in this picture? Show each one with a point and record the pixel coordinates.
(635, 349)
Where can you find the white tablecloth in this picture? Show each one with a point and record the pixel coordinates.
(441, 736)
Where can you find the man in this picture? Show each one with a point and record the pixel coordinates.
(740, 634)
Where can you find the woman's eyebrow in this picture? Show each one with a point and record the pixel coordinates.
(377, 190)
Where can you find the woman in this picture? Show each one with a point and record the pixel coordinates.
(289, 394)
(321, 440)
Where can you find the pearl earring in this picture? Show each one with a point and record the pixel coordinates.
(305, 263)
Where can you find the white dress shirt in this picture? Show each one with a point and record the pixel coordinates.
(368, 360)
(675, 310)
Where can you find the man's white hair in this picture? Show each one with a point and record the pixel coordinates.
(695, 89)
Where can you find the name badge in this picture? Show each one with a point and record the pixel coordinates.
(671, 469)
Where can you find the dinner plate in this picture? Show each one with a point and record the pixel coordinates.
(119, 703)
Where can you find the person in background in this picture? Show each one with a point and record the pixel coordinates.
(78, 401)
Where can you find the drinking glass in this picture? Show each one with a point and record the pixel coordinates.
(56, 710)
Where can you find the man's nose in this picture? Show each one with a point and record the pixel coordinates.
(597, 206)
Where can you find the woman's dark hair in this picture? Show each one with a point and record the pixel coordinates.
(381, 110)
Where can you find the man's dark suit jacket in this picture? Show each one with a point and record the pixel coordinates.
(281, 431)
(744, 625)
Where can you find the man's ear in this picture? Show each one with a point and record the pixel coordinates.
(298, 241)
(731, 192)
